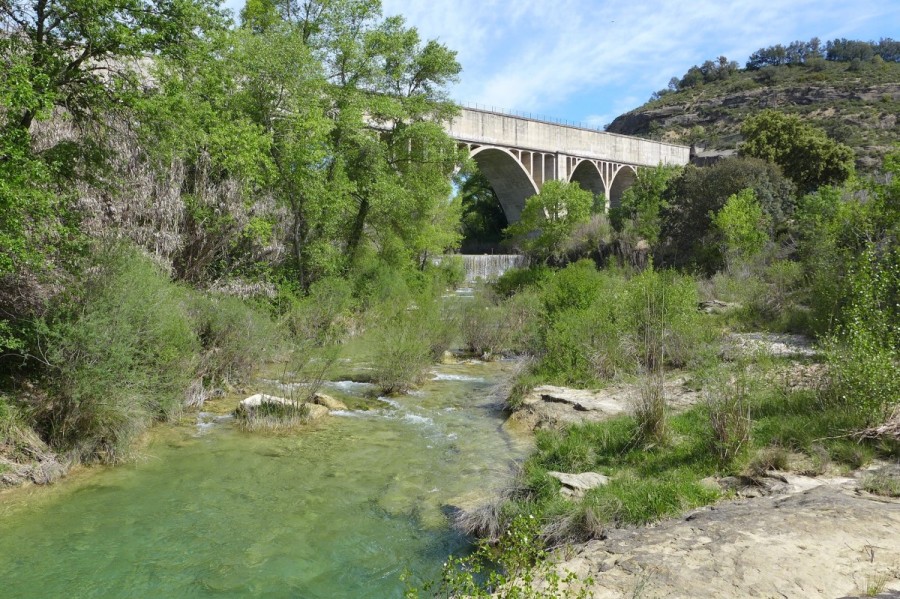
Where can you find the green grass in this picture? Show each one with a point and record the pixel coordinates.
(883, 483)
(652, 482)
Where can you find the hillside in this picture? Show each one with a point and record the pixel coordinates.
(856, 103)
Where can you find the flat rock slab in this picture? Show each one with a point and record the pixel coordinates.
(549, 406)
(829, 541)
(576, 485)
(774, 344)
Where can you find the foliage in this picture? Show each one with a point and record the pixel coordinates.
(549, 218)
(699, 193)
(805, 153)
(516, 280)
(408, 335)
(743, 227)
(643, 202)
(600, 324)
(518, 567)
(728, 402)
(483, 219)
(863, 352)
(124, 350)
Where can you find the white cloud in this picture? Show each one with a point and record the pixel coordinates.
(536, 55)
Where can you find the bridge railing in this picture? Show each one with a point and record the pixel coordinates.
(533, 116)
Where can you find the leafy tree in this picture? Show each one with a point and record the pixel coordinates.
(483, 219)
(642, 203)
(550, 216)
(742, 225)
(699, 192)
(805, 153)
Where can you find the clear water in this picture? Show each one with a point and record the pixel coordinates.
(338, 510)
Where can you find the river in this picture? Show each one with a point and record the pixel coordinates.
(339, 509)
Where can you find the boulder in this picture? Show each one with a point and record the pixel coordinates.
(315, 411)
(329, 402)
(254, 401)
(576, 485)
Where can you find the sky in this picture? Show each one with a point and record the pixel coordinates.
(588, 61)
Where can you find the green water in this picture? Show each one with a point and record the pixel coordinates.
(338, 510)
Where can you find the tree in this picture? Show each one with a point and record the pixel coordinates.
(699, 192)
(483, 219)
(643, 201)
(550, 216)
(742, 226)
(805, 153)
(81, 61)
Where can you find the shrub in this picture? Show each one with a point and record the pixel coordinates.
(650, 410)
(862, 354)
(515, 280)
(882, 483)
(728, 402)
(407, 339)
(768, 459)
(324, 315)
(485, 328)
(122, 352)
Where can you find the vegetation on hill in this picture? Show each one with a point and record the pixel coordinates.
(850, 89)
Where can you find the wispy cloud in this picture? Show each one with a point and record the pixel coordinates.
(581, 59)
(538, 55)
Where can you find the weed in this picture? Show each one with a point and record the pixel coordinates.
(728, 403)
(768, 459)
(882, 483)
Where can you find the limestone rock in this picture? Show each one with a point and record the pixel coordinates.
(254, 401)
(576, 485)
(329, 402)
(315, 411)
(822, 543)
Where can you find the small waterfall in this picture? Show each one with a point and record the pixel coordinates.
(491, 266)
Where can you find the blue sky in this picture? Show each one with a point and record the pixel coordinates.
(590, 60)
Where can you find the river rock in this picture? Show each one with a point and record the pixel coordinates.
(576, 485)
(315, 411)
(254, 401)
(329, 402)
(549, 406)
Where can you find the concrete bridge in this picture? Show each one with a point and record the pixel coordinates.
(517, 155)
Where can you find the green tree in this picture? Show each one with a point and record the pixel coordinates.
(483, 219)
(643, 202)
(743, 227)
(699, 192)
(549, 218)
(805, 153)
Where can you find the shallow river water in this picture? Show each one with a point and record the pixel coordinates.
(337, 510)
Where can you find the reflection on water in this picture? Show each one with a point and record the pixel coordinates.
(338, 510)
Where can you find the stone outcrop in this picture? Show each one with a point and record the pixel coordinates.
(549, 406)
(574, 486)
(329, 402)
(312, 411)
(811, 538)
(865, 110)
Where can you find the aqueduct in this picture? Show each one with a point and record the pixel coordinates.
(518, 154)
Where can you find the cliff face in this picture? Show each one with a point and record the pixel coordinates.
(860, 111)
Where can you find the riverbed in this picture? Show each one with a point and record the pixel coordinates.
(338, 509)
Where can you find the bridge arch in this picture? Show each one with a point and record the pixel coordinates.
(624, 178)
(587, 174)
(511, 182)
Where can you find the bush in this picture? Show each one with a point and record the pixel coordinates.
(122, 351)
(130, 346)
(515, 280)
(728, 402)
(408, 338)
(324, 315)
